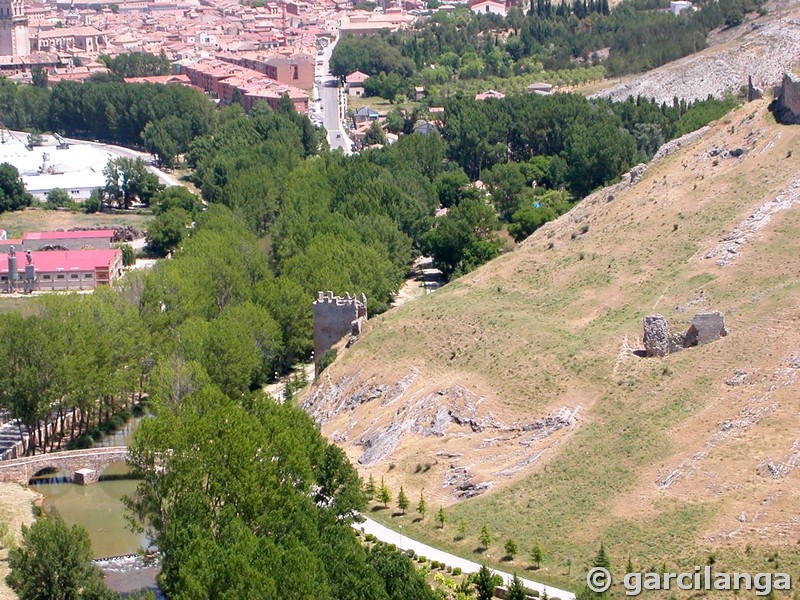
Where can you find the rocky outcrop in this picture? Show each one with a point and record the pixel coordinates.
(763, 51)
(731, 244)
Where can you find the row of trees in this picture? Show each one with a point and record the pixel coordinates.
(113, 112)
(76, 353)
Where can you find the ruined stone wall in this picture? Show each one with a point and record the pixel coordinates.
(705, 328)
(787, 100)
(334, 318)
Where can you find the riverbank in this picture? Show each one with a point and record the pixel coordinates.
(16, 509)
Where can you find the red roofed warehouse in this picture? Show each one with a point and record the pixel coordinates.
(97, 239)
(57, 270)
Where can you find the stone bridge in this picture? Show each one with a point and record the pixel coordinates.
(20, 470)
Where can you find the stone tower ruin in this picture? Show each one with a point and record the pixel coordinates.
(13, 29)
(334, 318)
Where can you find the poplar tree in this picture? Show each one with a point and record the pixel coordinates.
(402, 500)
(384, 495)
(369, 488)
(422, 507)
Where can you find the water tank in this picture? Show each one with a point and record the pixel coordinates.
(13, 275)
(30, 273)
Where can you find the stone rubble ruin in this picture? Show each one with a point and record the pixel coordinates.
(336, 317)
(705, 328)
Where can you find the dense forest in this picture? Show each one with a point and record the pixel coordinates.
(635, 36)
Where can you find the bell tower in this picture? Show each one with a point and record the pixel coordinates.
(13, 29)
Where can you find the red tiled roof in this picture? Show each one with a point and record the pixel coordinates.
(357, 77)
(64, 260)
(69, 235)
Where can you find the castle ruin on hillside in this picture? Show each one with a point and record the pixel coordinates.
(786, 105)
(705, 328)
(334, 318)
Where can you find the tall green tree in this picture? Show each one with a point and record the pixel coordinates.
(485, 537)
(422, 506)
(485, 582)
(402, 500)
(516, 591)
(54, 562)
(246, 499)
(127, 180)
(384, 494)
(441, 517)
(167, 231)
(12, 191)
(537, 554)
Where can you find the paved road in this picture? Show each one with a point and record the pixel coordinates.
(405, 543)
(328, 91)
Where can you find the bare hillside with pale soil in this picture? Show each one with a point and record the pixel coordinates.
(517, 397)
(761, 47)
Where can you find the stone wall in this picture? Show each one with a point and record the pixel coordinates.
(786, 105)
(334, 318)
(705, 328)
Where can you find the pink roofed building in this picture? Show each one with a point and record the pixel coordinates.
(59, 270)
(489, 95)
(355, 83)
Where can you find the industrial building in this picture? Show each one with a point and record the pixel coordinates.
(58, 270)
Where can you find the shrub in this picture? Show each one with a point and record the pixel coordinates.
(456, 570)
(410, 553)
(327, 359)
(422, 559)
(80, 443)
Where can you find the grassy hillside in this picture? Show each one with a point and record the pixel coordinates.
(523, 378)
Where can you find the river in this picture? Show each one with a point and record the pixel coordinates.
(99, 509)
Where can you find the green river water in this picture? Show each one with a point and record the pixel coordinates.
(97, 507)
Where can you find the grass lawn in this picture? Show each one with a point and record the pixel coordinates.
(379, 104)
(39, 219)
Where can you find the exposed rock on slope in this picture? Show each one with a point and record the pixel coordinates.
(765, 49)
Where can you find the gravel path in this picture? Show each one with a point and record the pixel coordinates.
(467, 566)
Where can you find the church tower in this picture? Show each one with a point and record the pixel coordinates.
(13, 29)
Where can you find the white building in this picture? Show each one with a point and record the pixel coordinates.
(676, 7)
(77, 169)
(487, 7)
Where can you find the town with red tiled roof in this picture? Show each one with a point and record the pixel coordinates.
(252, 51)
